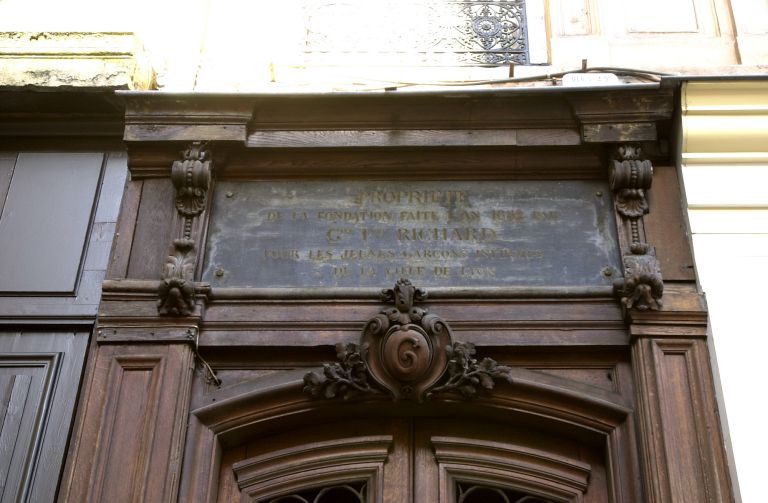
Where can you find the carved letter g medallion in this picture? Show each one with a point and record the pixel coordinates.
(403, 345)
(407, 353)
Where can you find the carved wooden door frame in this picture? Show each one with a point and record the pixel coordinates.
(258, 407)
(408, 459)
(650, 399)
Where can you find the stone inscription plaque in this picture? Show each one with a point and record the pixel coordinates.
(436, 233)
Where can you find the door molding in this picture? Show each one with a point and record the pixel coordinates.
(245, 411)
(529, 469)
(322, 463)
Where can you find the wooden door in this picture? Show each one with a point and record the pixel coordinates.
(428, 459)
(39, 379)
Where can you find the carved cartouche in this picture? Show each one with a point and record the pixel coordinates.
(407, 352)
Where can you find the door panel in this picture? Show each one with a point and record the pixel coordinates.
(39, 377)
(409, 460)
(514, 459)
(293, 465)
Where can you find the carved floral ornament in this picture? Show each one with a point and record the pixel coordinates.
(177, 290)
(406, 352)
(642, 287)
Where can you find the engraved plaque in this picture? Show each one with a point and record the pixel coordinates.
(437, 233)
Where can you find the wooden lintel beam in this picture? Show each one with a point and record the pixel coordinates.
(619, 132)
(185, 132)
(413, 138)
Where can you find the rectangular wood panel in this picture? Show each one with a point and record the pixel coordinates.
(665, 226)
(679, 423)
(13, 433)
(125, 227)
(115, 173)
(412, 138)
(127, 446)
(152, 234)
(576, 17)
(133, 398)
(680, 432)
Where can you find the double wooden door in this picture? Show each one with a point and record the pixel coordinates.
(415, 460)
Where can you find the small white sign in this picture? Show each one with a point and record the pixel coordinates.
(590, 79)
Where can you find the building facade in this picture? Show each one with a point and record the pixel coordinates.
(192, 303)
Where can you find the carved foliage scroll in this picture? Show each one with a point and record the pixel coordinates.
(347, 378)
(642, 286)
(465, 373)
(191, 177)
(407, 352)
(177, 290)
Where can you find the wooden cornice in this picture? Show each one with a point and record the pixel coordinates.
(27, 115)
(505, 117)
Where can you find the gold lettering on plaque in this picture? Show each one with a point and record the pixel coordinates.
(427, 234)
(410, 197)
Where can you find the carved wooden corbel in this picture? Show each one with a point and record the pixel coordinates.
(630, 179)
(407, 352)
(191, 177)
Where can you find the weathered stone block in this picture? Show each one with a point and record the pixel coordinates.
(65, 59)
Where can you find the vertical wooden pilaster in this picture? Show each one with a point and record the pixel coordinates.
(683, 453)
(129, 441)
(682, 450)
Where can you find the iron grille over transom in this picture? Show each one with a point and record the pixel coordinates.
(416, 32)
(342, 493)
(477, 493)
